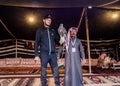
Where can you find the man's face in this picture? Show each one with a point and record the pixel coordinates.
(47, 21)
(73, 33)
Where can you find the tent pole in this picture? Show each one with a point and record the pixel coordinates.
(117, 53)
(106, 4)
(88, 41)
(11, 35)
(16, 49)
(7, 29)
(83, 11)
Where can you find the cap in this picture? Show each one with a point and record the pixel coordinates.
(47, 16)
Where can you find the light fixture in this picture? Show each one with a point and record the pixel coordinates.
(89, 7)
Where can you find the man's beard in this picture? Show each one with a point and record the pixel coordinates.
(73, 35)
(47, 25)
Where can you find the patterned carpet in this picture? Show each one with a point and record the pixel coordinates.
(88, 81)
(25, 72)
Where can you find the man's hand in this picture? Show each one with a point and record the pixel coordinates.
(60, 62)
(37, 59)
(84, 61)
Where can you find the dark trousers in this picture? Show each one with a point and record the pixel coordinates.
(52, 60)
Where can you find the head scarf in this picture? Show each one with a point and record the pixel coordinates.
(68, 36)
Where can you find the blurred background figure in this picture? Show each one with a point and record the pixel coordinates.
(101, 59)
(106, 62)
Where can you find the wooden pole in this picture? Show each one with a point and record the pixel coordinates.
(88, 41)
(83, 11)
(11, 35)
(117, 53)
(16, 49)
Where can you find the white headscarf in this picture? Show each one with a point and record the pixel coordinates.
(68, 37)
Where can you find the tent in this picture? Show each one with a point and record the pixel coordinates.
(67, 12)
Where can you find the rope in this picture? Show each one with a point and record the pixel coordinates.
(102, 5)
(7, 29)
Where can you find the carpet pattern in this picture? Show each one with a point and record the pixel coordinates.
(87, 80)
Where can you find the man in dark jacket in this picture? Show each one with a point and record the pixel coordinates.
(45, 43)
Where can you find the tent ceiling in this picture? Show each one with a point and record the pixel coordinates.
(60, 3)
(101, 25)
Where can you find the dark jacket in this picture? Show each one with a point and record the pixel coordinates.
(45, 40)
